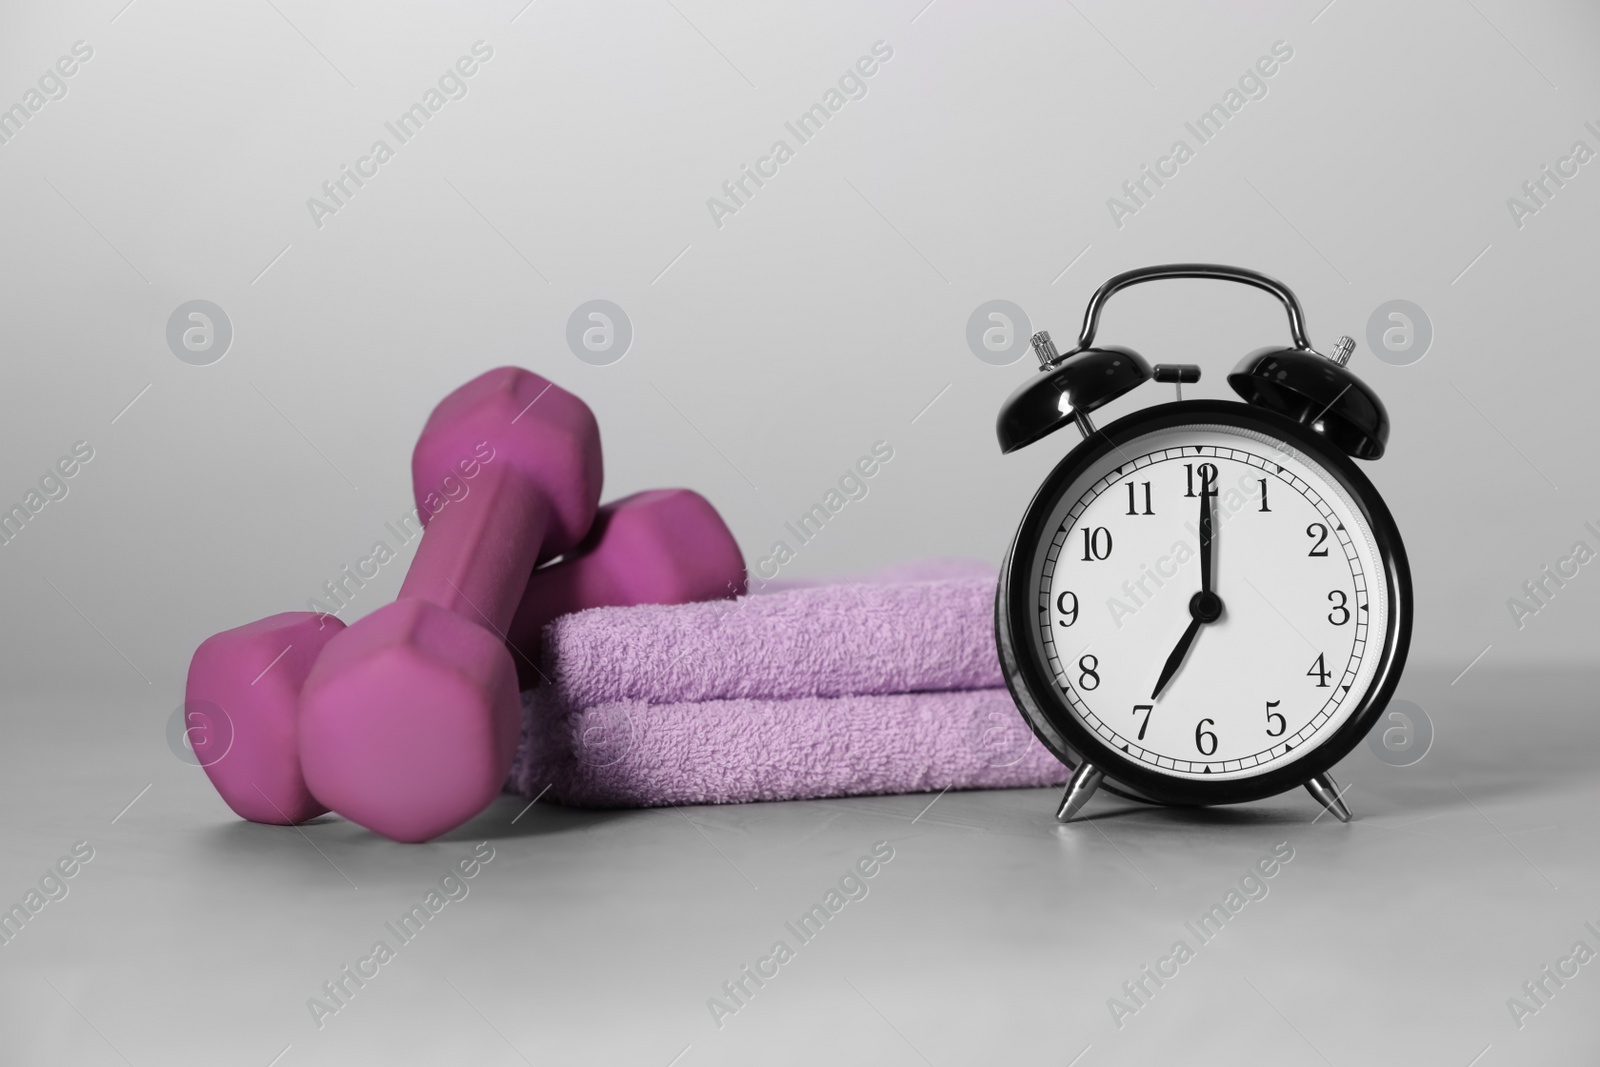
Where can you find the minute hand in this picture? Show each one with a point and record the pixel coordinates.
(1205, 539)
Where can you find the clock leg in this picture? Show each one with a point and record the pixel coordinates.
(1085, 780)
(1327, 793)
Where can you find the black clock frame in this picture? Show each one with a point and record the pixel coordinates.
(1034, 689)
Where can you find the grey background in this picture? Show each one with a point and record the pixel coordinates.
(824, 316)
(767, 355)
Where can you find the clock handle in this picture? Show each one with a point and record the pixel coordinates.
(1297, 326)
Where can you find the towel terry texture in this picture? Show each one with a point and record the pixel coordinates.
(881, 685)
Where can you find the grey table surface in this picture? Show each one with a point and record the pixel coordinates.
(993, 935)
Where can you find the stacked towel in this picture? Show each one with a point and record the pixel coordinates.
(881, 685)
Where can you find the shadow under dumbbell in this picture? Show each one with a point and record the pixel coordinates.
(512, 816)
(353, 852)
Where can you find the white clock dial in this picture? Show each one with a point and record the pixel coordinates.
(1304, 602)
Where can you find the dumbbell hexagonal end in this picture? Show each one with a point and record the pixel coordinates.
(513, 416)
(665, 546)
(409, 722)
(240, 713)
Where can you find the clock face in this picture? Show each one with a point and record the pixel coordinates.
(1230, 684)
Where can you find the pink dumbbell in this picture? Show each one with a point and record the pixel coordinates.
(663, 546)
(409, 719)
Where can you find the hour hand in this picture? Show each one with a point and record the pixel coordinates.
(1176, 659)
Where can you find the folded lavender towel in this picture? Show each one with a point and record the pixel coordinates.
(878, 685)
(853, 638)
(634, 754)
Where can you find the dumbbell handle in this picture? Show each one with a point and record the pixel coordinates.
(477, 553)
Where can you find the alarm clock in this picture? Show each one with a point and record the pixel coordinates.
(1206, 602)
